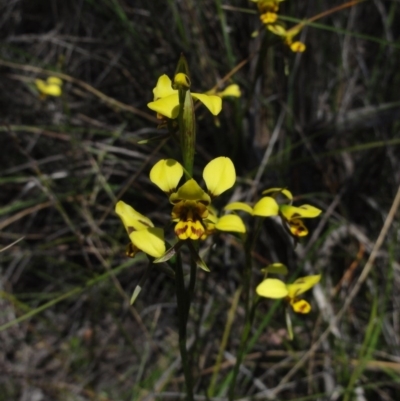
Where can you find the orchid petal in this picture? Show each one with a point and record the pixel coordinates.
(166, 174)
(297, 47)
(275, 268)
(51, 87)
(54, 81)
(189, 229)
(190, 191)
(266, 207)
(163, 88)
(301, 306)
(301, 285)
(132, 220)
(150, 241)
(297, 228)
(268, 17)
(231, 223)
(231, 90)
(277, 30)
(303, 211)
(181, 80)
(167, 106)
(274, 191)
(219, 175)
(272, 288)
(212, 102)
(239, 206)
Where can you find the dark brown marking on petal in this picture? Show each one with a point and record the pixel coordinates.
(130, 229)
(131, 250)
(198, 232)
(303, 307)
(179, 231)
(144, 223)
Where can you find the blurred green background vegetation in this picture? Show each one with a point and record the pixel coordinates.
(324, 123)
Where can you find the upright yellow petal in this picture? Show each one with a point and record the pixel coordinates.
(231, 223)
(272, 288)
(167, 106)
(219, 175)
(166, 174)
(239, 206)
(212, 102)
(190, 191)
(163, 88)
(150, 241)
(54, 81)
(301, 285)
(266, 207)
(131, 219)
(274, 191)
(275, 268)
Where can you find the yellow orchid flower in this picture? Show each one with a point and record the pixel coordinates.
(267, 5)
(292, 215)
(287, 36)
(142, 233)
(268, 17)
(191, 210)
(265, 207)
(166, 98)
(50, 87)
(297, 47)
(276, 289)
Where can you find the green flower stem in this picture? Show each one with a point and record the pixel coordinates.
(183, 313)
(250, 307)
(247, 325)
(192, 281)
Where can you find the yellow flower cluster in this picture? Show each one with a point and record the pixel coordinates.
(268, 14)
(191, 210)
(166, 98)
(290, 215)
(192, 213)
(276, 289)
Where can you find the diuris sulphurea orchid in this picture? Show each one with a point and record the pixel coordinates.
(51, 87)
(276, 289)
(166, 98)
(191, 203)
(267, 206)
